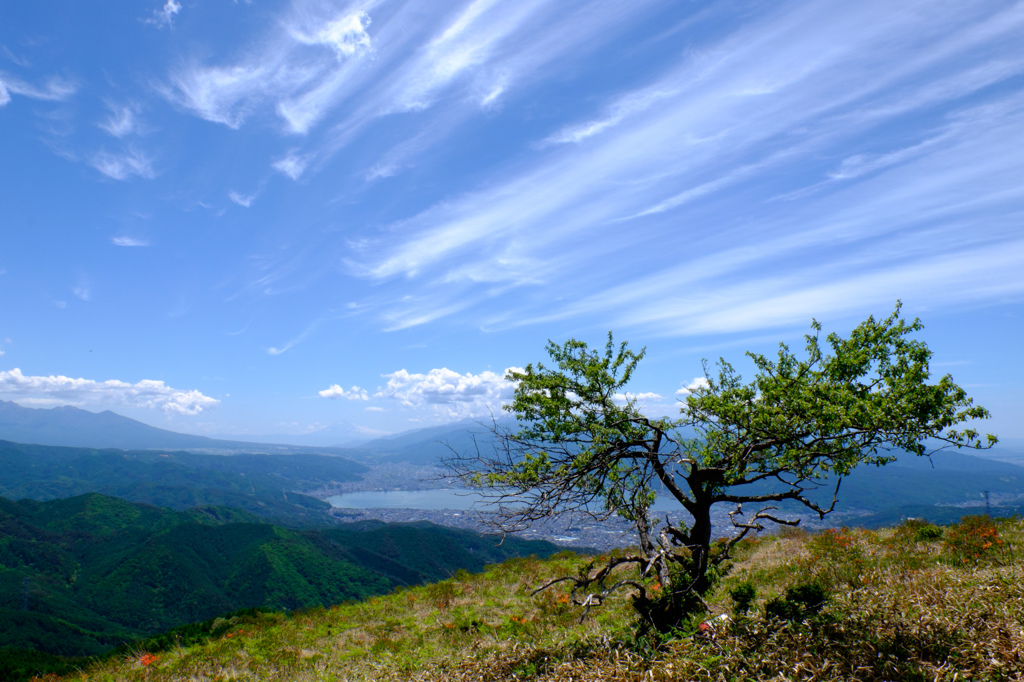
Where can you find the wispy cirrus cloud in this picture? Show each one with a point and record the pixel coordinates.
(121, 122)
(62, 390)
(54, 89)
(164, 17)
(244, 200)
(280, 68)
(338, 67)
(128, 241)
(123, 165)
(293, 165)
(772, 100)
(618, 111)
(82, 292)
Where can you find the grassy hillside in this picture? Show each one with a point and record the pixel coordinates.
(80, 575)
(912, 603)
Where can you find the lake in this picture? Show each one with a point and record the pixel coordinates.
(444, 498)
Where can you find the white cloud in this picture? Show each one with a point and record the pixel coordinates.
(82, 292)
(67, 391)
(450, 393)
(381, 170)
(619, 111)
(346, 35)
(862, 164)
(121, 121)
(310, 328)
(335, 391)
(123, 166)
(292, 165)
(638, 397)
(55, 89)
(279, 70)
(128, 241)
(165, 15)
(698, 384)
(241, 199)
(219, 94)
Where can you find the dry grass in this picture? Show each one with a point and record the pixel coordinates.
(900, 610)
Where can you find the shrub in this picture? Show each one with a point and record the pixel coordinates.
(800, 601)
(974, 540)
(443, 594)
(743, 596)
(918, 530)
(929, 532)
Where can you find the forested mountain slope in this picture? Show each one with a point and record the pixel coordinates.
(82, 574)
(261, 484)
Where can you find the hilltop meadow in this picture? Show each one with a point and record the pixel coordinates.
(915, 602)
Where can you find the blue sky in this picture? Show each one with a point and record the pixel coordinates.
(320, 219)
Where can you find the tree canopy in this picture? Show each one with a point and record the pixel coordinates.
(583, 446)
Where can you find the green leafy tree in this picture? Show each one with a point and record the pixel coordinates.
(583, 447)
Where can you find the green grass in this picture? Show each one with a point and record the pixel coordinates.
(903, 604)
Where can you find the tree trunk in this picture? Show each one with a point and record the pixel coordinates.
(700, 536)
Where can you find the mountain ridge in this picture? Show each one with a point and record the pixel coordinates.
(69, 426)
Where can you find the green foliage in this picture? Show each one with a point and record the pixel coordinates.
(928, 533)
(825, 414)
(743, 597)
(414, 553)
(576, 404)
(799, 602)
(918, 530)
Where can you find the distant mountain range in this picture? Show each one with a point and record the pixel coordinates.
(74, 427)
(264, 485)
(951, 478)
(949, 485)
(432, 445)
